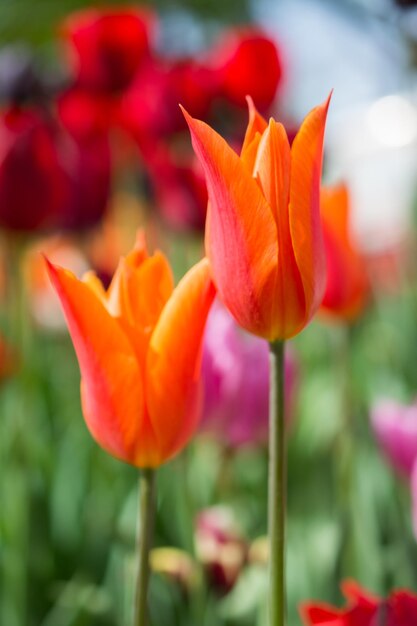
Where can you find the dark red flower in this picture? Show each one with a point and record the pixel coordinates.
(51, 177)
(85, 114)
(363, 609)
(88, 170)
(150, 107)
(178, 186)
(32, 181)
(108, 46)
(248, 63)
(86, 118)
(194, 85)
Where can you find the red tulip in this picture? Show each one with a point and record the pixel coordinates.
(363, 609)
(88, 165)
(178, 186)
(139, 349)
(108, 46)
(32, 181)
(248, 62)
(86, 114)
(263, 231)
(86, 157)
(195, 85)
(149, 107)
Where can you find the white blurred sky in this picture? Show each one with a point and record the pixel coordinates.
(327, 46)
(371, 142)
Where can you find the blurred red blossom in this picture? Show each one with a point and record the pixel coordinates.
(32, 180)
(51, 176)
(88, 165)
(363, 609)
(85, 114)
(86, 159)
(149, 108)
(248, 62)
(178, 186)
(107, 46)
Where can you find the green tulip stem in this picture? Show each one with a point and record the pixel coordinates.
(147, 504)
(277, 487)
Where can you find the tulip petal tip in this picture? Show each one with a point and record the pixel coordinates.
(184, 112)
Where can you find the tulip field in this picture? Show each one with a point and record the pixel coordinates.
(208, 313)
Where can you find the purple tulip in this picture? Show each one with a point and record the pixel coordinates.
(235, 374)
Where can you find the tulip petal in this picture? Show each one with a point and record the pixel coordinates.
(241, 232)
(145, 291)
(347, 286)
(112, 386)
(174, 358)
(320, 613)
(357, 594)
(91, 279)
(272, 170)
(148, 288)
(256, 127)
(304, 208)
(116, 296)
(334, 204)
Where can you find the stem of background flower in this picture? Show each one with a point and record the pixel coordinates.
(277, 487)
(197, 603)
(147, 504)
(344, 450)
(17, 443)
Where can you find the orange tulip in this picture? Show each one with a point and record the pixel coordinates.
(263, 230)
(347, 287)
(139, 349)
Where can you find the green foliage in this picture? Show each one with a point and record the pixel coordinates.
(36, 21)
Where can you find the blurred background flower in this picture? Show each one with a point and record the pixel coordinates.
(235, 375)
(395, 427)
(220, 547)
(363, 608)
(347, 287)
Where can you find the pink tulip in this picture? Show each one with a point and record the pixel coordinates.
(395, 427)
(235, 375)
